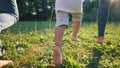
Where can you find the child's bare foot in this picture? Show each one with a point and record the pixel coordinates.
(57, 57)
(100, 40)
(5, 63)
(74, 38)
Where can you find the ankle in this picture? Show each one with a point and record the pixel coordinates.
(74, 38)
(57, 56)
(100, 39)
(57, 49)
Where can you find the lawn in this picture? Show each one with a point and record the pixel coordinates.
(31, 44)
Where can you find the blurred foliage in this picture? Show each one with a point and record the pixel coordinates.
(34, 9)
(43, 10)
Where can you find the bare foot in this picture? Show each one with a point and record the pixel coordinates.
(74, 38)
(57, 57)
(5, 62)
(100, 40)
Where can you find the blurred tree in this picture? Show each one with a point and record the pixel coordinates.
(33, 9)
(90, 10)
(115, 11)
(43, 10)
(23, 8)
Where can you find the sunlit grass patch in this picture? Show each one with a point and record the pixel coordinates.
(33, 47)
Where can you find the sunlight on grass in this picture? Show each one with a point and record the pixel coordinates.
(29, 49)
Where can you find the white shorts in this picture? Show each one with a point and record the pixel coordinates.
(6, 20)
(62, 18)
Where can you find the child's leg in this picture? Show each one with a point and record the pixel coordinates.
(77, 17)
(61, 25)
(75, 27)
(102, 18)
(57, 55)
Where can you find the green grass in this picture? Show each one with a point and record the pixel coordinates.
(30, 45)
(25, 27)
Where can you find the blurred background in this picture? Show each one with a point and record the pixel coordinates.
(43, 10)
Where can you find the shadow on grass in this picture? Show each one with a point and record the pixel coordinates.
(94, 62)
